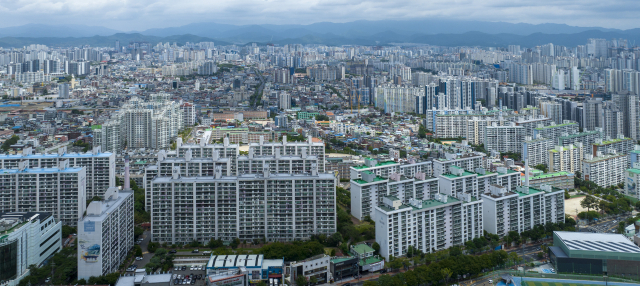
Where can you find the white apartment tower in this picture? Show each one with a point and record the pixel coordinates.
(105, 234)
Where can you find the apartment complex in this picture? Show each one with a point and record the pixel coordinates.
(311, 146)
(605, 169)
(100, 166)
(507, 138)
(566, 158)
(367, 192)
(142, 124)
(427, 225)
(620, 144)
(59, 191)
(105, 234)
(277, 207)
(536, 151)
(522, 209)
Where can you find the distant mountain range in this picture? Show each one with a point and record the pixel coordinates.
(424, 31)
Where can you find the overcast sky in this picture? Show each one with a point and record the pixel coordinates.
(128, 15)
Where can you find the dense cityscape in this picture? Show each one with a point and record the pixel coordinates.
(175, 163)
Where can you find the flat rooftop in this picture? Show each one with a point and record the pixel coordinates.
(597, 242)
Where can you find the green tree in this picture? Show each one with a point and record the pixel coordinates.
(301, 280)
(541, 167)
(376, 247)
(446, 273)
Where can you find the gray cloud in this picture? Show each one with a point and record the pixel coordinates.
(128, 15)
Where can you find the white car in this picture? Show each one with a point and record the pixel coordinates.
(490, 281)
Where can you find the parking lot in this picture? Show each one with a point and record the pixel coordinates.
(188, 276)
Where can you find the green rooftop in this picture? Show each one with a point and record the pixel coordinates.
(94, 127)
(361, 249)
(556, 126)
(635, 171)
(579, 134)
(549, 175)
(452, 176)
(369, 260)
(612, 141)
(532, 191)
(434, 203)
(379, 164)
(338, 260)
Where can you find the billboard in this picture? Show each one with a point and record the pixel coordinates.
(89, 249)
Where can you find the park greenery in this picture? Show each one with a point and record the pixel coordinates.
(161, 260)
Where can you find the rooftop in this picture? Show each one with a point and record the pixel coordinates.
(379, 164)
(362, 248)
(597, 242)
(556, 126)
(611, 141)
(550, 175)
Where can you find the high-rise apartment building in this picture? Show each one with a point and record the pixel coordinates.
(105, 234)
(60, 191)
(100, 166)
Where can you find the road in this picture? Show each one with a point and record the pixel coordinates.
(604, 226)
(261, 87)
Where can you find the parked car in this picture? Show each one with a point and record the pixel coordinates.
(173, 251)
(138, 258)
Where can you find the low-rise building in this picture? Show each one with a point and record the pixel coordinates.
(316, 266)
(368, 261)
(594, 254)
(258, 268)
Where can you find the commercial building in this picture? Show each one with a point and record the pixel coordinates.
(105, 234)
(368, 261)
(275, 207)
(594, 254)
(59, 191)
(522, 209)
(605, 170)
(316, 266)
(28, 238)
(100, 166)
(427, 225)
(258, 268)
(344, 267)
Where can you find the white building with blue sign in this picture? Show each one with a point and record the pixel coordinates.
(105, 234)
